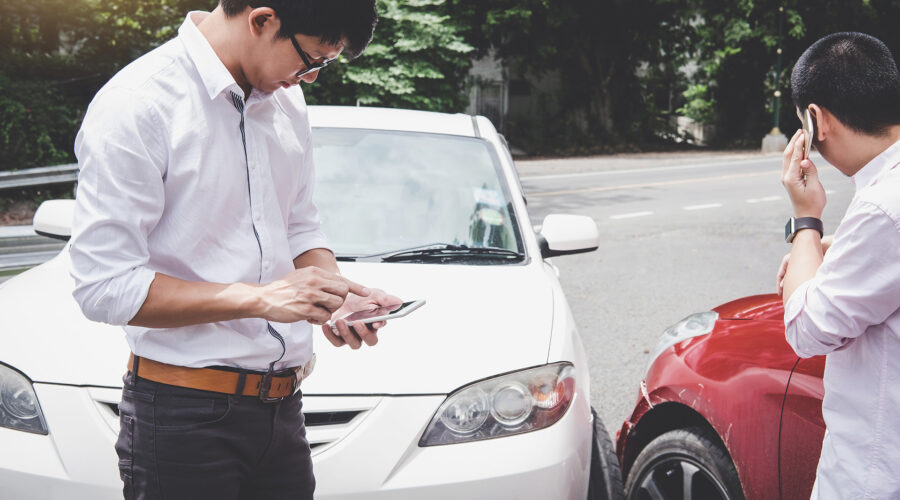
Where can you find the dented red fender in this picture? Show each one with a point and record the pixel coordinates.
(735, 378)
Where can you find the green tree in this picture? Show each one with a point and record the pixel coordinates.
(56, 54)
(54, 57)
(607, 56)
(734, 46)
(418, 59)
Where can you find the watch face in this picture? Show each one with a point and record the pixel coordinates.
(789, 230)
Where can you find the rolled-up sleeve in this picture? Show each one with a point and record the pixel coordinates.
(857, 285)
(304, 229)
(120, 198)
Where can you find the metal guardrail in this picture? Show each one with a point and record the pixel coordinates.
(21, 251)
(41, 176)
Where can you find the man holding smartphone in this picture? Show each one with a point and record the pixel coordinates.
(846, 303)
(195, 229)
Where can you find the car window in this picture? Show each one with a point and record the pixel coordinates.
(382, 191)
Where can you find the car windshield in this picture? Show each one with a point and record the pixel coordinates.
(386, 192)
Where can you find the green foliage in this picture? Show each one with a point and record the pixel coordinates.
(734, 46)
(56, 54)
(627, 67)
(599, 62)
(699, 106)
(417, 60)
(31, 134)
(598, 75)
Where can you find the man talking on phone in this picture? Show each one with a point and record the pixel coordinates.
(845, 303)
(195, 229)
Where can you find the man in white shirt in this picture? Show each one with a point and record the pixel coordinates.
(846, 303)
(195, 229)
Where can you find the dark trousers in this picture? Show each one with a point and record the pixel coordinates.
(178, 443)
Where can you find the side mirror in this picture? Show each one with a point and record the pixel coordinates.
(53, 219)
(568, 234)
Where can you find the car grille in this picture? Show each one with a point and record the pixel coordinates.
(329, 419)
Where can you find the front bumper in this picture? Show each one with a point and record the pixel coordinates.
(77, 460)
(372, 454)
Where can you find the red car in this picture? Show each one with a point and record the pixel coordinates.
(726, 410)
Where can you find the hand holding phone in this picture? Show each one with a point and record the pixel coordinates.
(364, 330)
(384, 313)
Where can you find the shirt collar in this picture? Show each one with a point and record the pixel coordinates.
(888, 159)
(214, 75)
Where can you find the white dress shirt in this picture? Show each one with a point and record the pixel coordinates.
(167, 185)
(850, 311)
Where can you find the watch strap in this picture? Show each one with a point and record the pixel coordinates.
(796, 224)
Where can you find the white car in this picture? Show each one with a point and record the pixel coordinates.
(481, 393)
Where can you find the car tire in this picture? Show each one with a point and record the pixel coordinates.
(606, 477)
(694, 455)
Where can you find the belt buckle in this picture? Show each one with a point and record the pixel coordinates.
(265, 385)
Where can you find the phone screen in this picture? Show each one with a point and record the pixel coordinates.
(381, 311)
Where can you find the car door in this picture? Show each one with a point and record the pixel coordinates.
(802, 429)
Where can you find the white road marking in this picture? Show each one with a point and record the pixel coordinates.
(638, 170)
(762, 200)
(648, 184)
(763, 159)
(703, 207)
(632, 214)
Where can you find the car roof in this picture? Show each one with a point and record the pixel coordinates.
(406, 120)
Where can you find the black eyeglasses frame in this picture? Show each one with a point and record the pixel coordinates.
(310, 66)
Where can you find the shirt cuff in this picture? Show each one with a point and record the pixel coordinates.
(796, 301)
(303, 242)
(800, 329)
(122, 297)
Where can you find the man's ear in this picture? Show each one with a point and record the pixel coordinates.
(261, 20)
(823, 120)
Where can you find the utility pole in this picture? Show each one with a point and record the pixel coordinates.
(775, 141)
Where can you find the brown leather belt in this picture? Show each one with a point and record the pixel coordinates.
(269, 386)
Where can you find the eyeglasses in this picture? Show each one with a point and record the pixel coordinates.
(310, 66)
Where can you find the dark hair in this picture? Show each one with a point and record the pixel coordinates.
(852, 75)
(333, 21)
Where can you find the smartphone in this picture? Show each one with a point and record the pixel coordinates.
(382, 313)
(809, 129)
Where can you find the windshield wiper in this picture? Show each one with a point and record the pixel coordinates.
(445, 251)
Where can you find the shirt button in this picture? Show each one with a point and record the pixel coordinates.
(256, 217)
(266, 266)
(252, 166)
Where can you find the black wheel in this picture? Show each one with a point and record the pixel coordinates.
(606, 476)
(684, 464)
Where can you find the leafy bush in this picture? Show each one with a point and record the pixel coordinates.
(56, 54)
(37, 125)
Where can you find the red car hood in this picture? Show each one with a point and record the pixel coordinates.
(758, 307)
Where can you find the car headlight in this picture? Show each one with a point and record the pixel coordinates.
(504, 405)
(19, 407)
(694, 325)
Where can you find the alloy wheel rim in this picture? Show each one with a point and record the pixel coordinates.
(678, 478)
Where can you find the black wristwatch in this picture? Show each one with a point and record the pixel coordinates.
(795, 224)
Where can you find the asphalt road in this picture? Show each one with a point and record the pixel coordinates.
(679, 234)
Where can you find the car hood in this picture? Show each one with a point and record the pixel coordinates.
(478, 321)
(755, 307)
